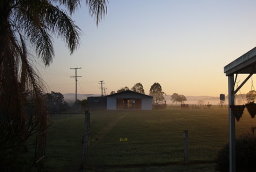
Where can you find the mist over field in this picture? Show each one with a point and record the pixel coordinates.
(69, 97)
(197, 100)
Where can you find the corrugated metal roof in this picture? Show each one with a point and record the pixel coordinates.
(128, 92)
(245, 64)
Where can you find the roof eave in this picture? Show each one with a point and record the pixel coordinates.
(129, 91)
(245, 64)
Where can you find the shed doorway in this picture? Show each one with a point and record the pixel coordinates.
(127, 103)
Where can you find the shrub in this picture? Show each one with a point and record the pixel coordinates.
(245, 155)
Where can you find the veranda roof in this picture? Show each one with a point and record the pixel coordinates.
(245, 64)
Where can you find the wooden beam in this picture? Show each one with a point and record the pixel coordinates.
(235, 79)
(232, 129)
(240, 86)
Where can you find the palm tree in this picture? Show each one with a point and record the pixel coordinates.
(23, 24)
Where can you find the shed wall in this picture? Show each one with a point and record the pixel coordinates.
(146, 104)
(111, 103)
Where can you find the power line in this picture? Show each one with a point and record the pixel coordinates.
(76, 68)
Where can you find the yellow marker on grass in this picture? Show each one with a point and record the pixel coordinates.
(125, 139)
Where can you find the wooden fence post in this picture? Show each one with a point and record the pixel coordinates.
(186, 144)
(86, 137)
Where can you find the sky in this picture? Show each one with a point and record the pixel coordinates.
(181, 44)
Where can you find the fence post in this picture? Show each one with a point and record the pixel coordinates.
(86, 135)
(186, 144)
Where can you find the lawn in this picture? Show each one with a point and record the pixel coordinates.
(154, 139)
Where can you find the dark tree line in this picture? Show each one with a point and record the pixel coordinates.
(55, 102)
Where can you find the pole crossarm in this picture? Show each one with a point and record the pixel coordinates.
(75, 76)
(240, 86)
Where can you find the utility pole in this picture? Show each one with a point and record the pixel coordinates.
(101, 87)
(76, 68)
(105, 93)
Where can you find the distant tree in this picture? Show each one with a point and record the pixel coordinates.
(178, 98)
(122, 89)
(55, 102)
(181, 99)
(112, 92)
(174, 97)
(138, 87)
(250, 96)
(157, 93)
(84, 104)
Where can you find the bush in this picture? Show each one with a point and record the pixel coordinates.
(245, 155)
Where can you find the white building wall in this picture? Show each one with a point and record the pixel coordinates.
(146, 104)
(111, 103)
(146, 101)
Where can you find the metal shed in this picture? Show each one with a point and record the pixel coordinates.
(245, 64)
(129, 100)
(97, 103)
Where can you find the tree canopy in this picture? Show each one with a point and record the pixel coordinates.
(138, 87)
(250, 96)
(178, 98)
(55, 102)
(157, 93)
(122, 89)
(112, 92)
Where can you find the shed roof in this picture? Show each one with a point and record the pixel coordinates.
(244, 64)
(129, 92)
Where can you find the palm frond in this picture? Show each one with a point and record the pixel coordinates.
(71, 5)
(97, 8)
(29, 79)
(33, 83)
(58, 21)
(38, 19)
(11, 110)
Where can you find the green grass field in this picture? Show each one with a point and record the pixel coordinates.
(155, 139)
